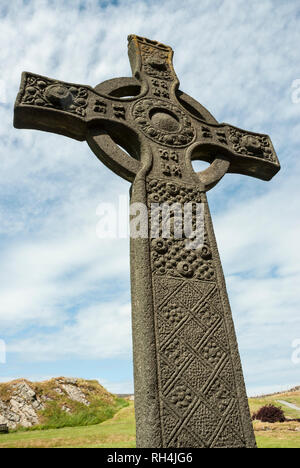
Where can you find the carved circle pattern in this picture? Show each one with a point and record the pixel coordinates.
(174, 354)
(208, 315)
(252, 145)
(46, 93)
(219, 395)
(171, 255)
(142, 114)
(58, 94)
(173, 313)
(212, 352)
(181, 396)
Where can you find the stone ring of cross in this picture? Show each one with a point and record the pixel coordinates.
(189, 386)
(159, 117)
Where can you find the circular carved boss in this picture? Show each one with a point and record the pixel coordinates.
(163, 122)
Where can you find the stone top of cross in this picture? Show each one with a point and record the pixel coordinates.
(157, 124)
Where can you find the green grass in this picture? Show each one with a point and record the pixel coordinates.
(278, 435)
(54, 417)
(280, 441)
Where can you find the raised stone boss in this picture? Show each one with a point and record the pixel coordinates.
(189, 386)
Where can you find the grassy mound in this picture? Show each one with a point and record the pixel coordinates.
(66, 402)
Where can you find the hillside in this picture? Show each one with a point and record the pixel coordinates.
(58, 402)
(291, 397)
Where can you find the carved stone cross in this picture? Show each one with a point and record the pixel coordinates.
(189, 387)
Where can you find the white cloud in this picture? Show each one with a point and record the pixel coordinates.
(124, 386)
(41, 281)
(32, 378)
(96, 332)
(268, 389)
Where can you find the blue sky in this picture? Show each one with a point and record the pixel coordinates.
(65, 301)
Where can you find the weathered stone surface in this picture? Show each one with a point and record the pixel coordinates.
(22, 407)
(21, 401)
(189, 387)
(75, 394)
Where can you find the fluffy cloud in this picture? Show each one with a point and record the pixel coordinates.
(95, 332)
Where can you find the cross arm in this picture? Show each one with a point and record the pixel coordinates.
(249, 153)
(49, 105)
(64, 108)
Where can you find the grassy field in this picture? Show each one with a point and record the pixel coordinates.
(279, 435)
(120, 431)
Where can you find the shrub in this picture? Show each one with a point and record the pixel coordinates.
(269, 413)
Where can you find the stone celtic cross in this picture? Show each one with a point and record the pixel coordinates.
(189, 386)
